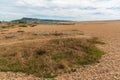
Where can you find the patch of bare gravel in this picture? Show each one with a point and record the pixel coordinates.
(109, 66)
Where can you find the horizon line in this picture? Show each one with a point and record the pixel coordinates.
(64, 20)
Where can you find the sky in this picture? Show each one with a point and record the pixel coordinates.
(76, 10)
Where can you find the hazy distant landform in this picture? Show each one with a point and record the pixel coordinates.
(35, 20)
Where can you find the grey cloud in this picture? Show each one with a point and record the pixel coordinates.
(61, 9)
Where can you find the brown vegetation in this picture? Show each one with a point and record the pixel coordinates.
(49, 59)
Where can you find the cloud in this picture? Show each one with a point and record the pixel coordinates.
(60, 9)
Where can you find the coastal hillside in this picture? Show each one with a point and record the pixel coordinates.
(36, 20)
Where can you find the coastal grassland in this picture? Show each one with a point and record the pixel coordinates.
(51, 58)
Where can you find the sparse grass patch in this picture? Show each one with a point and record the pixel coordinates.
(20, 31)
(50, 76)
(73, 70)
(95, 41)
(22, 25)
(7, 24)
(33, 25)
(41, 52)
(57, 33)
(54, 57)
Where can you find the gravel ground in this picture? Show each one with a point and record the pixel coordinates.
(107, 69)
(109, 66)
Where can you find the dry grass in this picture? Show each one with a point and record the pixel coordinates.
(24, 24)
(6, 24)
(50, 58)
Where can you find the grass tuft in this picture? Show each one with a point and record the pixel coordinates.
(41, 52)
(22, 25)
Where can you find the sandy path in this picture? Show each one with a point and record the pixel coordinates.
(107, 69)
